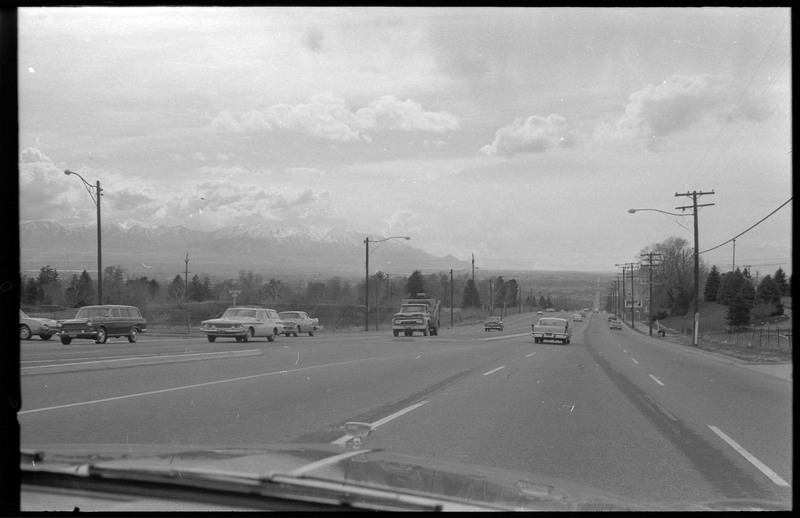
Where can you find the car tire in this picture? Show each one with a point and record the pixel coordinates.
(66, 340)
(311, 333)
(424, 332)
(102, 336)
(395, 332)
(271, 338)
(132, 336)
(24, 332)
(212, 339)
(45, 337)
(248, 335)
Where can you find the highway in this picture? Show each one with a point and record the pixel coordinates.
(616, 410)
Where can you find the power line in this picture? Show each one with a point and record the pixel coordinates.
(749, 229)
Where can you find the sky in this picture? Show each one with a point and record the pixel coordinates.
(519, 135)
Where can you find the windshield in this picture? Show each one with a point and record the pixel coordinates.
(243, 229)
(239, 313)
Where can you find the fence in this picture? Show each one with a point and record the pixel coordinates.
(762, 337)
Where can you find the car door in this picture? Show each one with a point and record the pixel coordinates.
(262, 327)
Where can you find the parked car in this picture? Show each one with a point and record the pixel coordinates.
(101, 322)
(244, 323)
(493, 323)
(296, 322)
(615, 324)
(29, 326)
(577, 318)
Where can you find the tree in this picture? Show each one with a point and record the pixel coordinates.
(542, 302)
(176, 288)
(48, 286)
(415, 284)
(768, 291)
(729, 286)
(738, 312)
(471, 298)
(713, 281)
(79, 292)
(113, 284)
(780, 280)
(673, 281)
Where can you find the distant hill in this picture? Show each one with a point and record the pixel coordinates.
(267, 249)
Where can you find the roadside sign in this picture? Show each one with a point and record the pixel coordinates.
(636, 304)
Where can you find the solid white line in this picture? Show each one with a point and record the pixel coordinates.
(529, 355)
(657, 380)
(158, 356)
(754, 461)
(343, 439)
(493, 371)
(185, 387)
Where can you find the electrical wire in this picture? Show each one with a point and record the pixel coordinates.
(751, 228)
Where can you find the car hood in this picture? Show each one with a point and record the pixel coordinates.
(464, 484)
(237, 320)
(50, 322)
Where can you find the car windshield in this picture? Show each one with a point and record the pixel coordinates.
(258, 241)
(239, 313)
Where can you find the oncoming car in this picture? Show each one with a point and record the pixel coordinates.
(493, 323)
(243, 323)
(615, 324)
(98, 323)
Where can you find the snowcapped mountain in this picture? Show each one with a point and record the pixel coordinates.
(270, 249)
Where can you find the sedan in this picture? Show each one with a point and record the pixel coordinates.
(615, 324)
(29, 326)
(493, 323)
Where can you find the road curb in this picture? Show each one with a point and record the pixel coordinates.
(134, 362)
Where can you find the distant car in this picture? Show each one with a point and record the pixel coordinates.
(493, 323)
(295, 322)
(550, 310)
(101, 322)
(615, 324)
(540, 312)
(577, 318)
(29, 326)
(612, 318)
(243, 323)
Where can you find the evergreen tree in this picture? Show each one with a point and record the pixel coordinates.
(780, 280)
(729, 286)
(415, 284)
(738, 312)
(768, 291)
(542, 302)
(713, 282)
(471, 298)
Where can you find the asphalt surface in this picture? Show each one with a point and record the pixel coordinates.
(618, 411)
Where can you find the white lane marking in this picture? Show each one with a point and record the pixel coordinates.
(657, 380)
(634, 361)
(747, 455)
(529, 355)
(493, 371)
(625, 351)
(110, 359)
(186, 387)
(343, 439)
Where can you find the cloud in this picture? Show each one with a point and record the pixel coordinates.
(659, 111)
(327, 116)
(32, 155)
(533, 135)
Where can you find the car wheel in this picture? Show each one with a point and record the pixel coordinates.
(101, 336)
(66, 340)
(396, 332)
(311, 333)
(424, 332)
(238, 338)
(248, 335)
(45, 337)
(24, 332)
(295, 335)
(132, 336)
(211, 339)
(271, 338)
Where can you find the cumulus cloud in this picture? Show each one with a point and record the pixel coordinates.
(32, 155)
(659, 111)
(533, 135)
(327, 116)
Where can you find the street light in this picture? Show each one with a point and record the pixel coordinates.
(96, 199)
(694, 207)
(366, 278)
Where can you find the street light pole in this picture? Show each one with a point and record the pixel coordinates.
(96, 199)
(366, 276)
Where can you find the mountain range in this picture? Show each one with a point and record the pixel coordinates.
(268, 249)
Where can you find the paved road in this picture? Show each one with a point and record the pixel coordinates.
(617, 411)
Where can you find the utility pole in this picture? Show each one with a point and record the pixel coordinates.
(186, 279)
(630, 267)
(650, 265)
(694, 206)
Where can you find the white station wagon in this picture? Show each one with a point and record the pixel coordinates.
(244, 323)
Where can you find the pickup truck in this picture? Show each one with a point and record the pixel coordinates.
(296, 322)
(420, 314)
(551, 328)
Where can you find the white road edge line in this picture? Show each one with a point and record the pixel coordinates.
(343, 439)
(747, 455)
(494, 370)
(657, 380)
